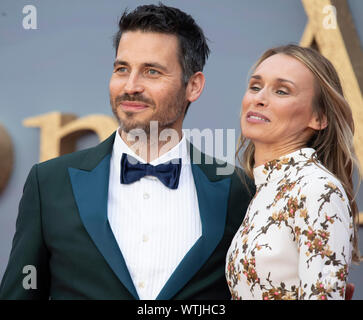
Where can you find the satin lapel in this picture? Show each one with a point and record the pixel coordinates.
(212, 200)
(90, 189)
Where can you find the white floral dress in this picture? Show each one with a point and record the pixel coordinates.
(295, 241)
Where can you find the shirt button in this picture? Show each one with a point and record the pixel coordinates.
(146, 195)
(141, 285)
(145, 238)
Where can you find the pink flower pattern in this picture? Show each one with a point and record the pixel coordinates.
(295, 241)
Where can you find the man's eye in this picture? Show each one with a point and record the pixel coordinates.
(152, 72)
(281, 92)
(121, 69)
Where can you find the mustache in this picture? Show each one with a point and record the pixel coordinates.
(135, 97)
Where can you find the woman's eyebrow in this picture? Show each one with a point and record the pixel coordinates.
(285, 80)
(258, 77)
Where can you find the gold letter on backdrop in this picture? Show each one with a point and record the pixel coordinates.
(6, 158)
(59, 132)
(330, 29)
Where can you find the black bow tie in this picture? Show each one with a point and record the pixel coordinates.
(168, 173)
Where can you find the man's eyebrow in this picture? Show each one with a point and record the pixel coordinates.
(155, 65)
(120, 62)
(258, 77)
(145, 65)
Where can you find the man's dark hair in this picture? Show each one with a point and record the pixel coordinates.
(193, 45)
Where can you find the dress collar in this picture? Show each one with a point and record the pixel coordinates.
(277, 168)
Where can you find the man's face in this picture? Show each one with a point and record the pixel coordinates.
(146, 83)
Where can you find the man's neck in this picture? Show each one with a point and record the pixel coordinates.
(150, 147)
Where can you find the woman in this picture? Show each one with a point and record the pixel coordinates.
(299, 234)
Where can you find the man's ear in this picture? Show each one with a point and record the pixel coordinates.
(317, 123)
(195, 86)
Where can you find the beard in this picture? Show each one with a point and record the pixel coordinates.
(171, 109)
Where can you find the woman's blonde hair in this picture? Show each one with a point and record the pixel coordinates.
(334, 144)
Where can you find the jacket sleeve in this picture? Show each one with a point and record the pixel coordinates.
(27, 272)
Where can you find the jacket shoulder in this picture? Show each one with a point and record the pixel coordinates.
(85, 159)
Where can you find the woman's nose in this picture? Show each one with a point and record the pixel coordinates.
(260, 98)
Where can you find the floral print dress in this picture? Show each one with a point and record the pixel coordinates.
(295, 241)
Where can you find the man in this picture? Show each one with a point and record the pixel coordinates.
(124, 222)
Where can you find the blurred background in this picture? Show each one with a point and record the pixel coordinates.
(65, 64)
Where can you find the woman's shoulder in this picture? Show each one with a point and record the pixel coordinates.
(319, 184)
(316, 177)
(323, 202)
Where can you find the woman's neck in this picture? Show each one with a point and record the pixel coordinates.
(266, 152)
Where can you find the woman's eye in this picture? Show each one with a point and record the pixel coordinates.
(281, 92)
(254, 88)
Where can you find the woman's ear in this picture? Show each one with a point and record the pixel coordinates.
(195, 86)
(317, 123)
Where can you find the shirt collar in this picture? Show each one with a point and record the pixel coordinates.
(178, 151)
(277, 168)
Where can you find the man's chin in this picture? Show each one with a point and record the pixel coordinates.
(135, 128)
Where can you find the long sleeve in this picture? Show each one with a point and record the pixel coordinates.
(28, 249)
(324, 231)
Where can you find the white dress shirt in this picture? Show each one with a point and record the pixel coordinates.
(154, 226)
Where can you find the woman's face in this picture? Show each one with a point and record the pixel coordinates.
(277, 106)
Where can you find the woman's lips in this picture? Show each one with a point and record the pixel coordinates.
(255, 117)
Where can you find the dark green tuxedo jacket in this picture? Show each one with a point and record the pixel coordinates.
(62, 229)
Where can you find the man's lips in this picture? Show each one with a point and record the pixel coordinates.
(133, 105)
(256, 117)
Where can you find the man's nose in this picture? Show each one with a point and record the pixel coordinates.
(133, 84)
